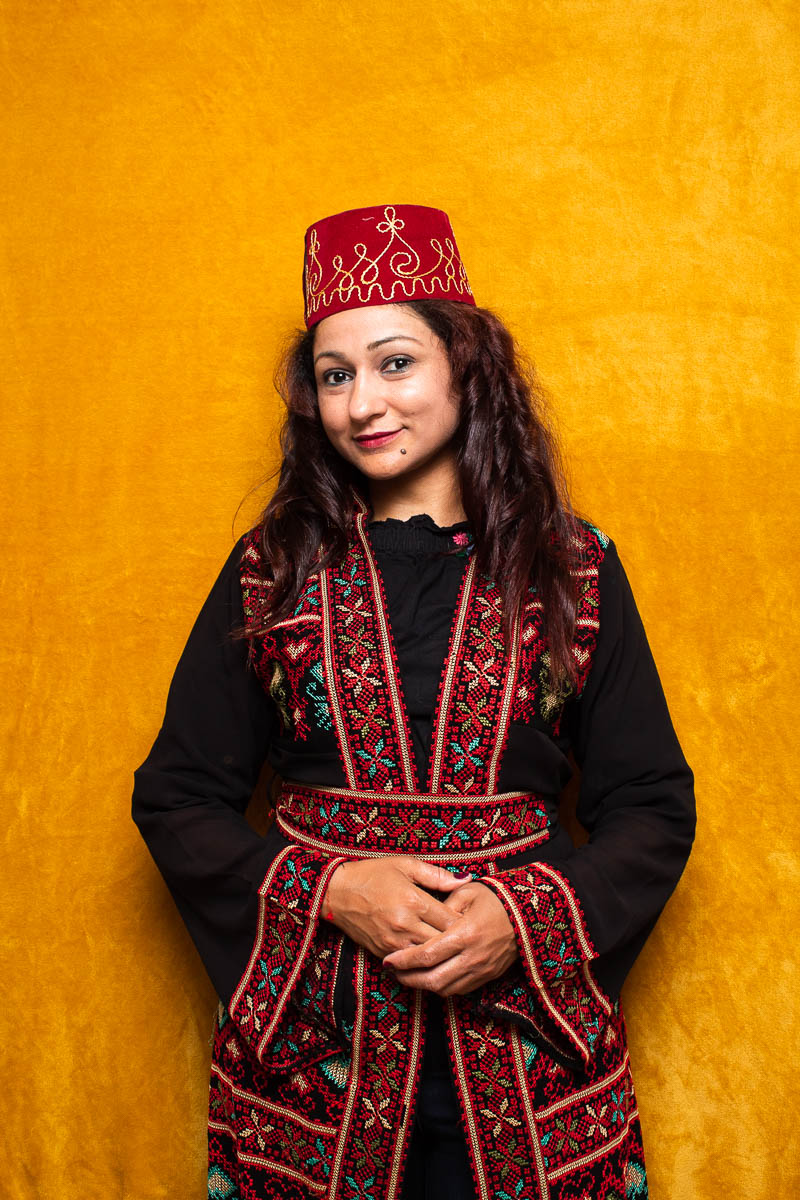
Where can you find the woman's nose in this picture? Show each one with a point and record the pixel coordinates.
(367, 397)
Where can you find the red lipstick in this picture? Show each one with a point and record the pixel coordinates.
(376, 441)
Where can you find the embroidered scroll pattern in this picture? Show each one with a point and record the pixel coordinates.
(384, 264)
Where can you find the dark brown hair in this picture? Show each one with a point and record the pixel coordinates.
(512, 487)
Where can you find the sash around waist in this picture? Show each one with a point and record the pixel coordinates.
(442, 828)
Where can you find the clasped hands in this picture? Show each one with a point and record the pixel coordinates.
(449, 946)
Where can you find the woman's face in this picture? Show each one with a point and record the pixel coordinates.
(384, 392)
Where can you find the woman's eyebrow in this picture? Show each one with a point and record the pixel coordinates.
(393, 337)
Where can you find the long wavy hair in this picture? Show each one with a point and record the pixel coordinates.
(512, 486)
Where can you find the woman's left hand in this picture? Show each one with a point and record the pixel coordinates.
(477, 948)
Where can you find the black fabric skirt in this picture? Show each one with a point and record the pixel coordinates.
(437, 1167)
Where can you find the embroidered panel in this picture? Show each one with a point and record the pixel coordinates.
(448, 829)
(586, 1144)
(369, 714)
(282, 1005)
(387, 1054)
(592, 548)
(478, 696)
(555, 952)
(537, 697)
(588, 1127)
(268, 1131)
(281, 1045)
(475, 692)
(474, 701)
(288, 658)
(534, 696)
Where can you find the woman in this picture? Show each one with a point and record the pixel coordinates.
(419, 971)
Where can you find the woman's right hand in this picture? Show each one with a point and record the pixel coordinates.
(382, 904)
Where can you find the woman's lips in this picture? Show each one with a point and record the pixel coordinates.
(376, 441)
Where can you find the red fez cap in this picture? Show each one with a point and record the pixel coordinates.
(381, 255)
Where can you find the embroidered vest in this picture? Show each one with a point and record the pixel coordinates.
(332, 665)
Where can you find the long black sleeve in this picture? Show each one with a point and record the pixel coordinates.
(636, 796)
(581, 915)
(192, 790)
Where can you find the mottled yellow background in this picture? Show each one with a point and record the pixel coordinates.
(622, 176)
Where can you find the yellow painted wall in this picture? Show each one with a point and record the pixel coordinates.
(622, 176)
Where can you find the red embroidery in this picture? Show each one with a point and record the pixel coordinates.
(288, 658)
(361, 672)
(465, 831)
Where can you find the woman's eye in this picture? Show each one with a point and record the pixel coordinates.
(397, 364)
(334, 378)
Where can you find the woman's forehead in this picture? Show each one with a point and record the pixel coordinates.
(364, 327)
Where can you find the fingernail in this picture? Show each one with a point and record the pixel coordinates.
(463, 874)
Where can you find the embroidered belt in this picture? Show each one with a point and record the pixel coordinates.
(450, 828)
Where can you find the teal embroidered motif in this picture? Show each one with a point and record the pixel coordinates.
(336, 1070)
(529, 1048)
(598, 533)
(635, 1181)
(376, 760)
(310, 596)
(318, 696)
(220, 1186)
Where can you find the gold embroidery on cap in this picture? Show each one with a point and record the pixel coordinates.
(362, 277)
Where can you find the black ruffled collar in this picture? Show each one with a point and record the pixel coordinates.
(419, 535)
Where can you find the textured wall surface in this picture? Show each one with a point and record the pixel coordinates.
(622, 176)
